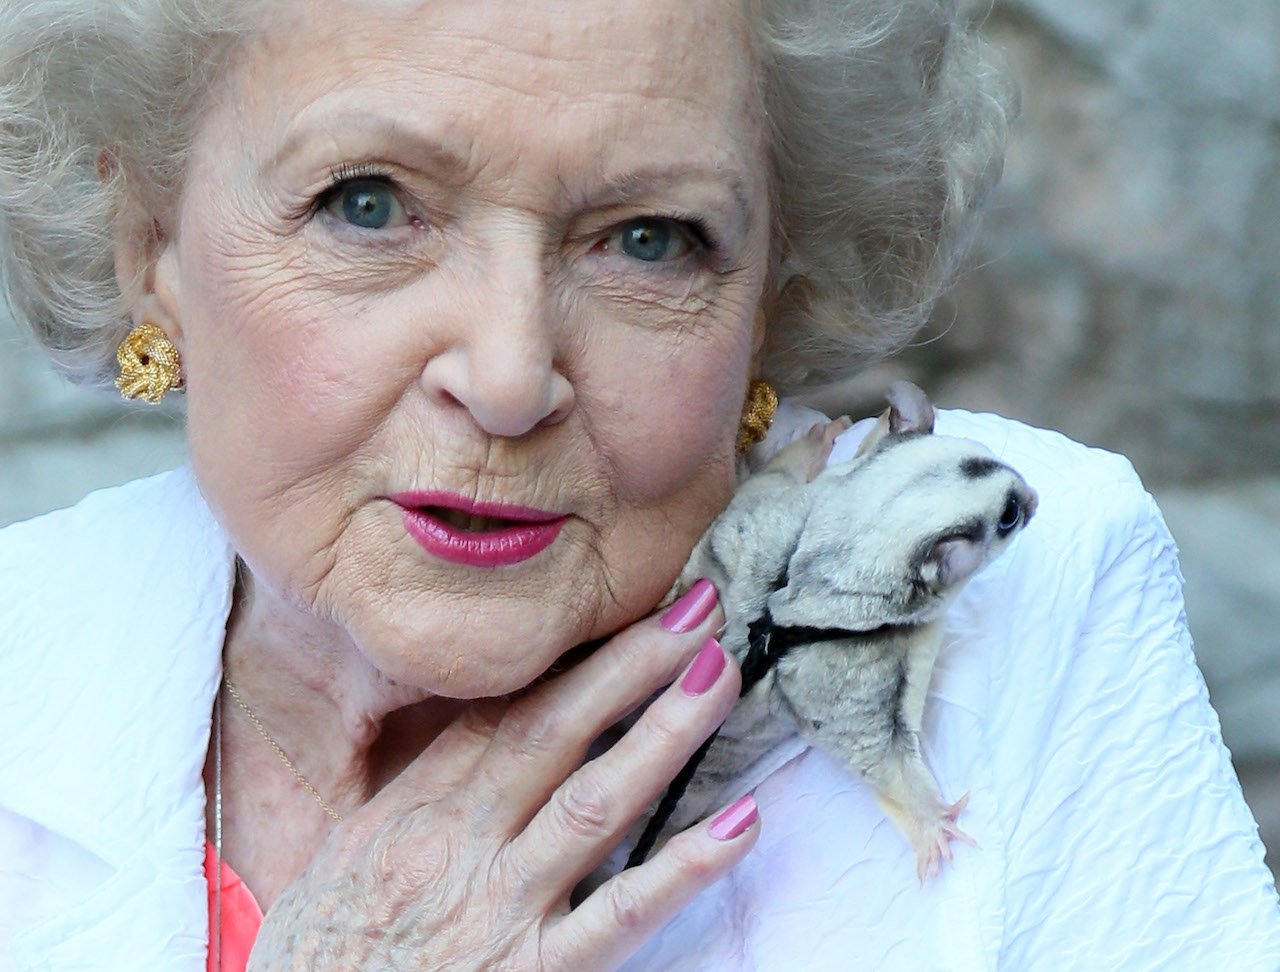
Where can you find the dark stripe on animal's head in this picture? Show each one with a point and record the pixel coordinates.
(977, 467)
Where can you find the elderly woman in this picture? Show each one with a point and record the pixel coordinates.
(464, 298)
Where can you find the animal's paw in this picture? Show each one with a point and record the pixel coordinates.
(827, 434)
(932, 838)
(812, 450)
(806, 453)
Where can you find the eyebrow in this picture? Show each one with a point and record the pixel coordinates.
(630, 186)
(362, 124)
(615, 189)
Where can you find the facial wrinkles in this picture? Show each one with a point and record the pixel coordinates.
(528, 81)
(680, 308)
(329, 337)
(264, 307)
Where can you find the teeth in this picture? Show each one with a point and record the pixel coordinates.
(466, 521)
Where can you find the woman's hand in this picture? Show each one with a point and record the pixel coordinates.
(467, 859)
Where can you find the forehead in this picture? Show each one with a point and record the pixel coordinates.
(903, 468)
(562, 83)
(940, 459)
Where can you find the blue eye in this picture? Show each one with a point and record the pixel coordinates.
(367, 203)
(653, 240)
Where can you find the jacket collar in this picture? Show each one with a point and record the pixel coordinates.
(116, 648)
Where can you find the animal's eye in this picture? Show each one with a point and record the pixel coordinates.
(1010, 517)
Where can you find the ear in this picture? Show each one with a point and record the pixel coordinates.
(909, 411)
(909, 408)
(145, 259)
(950, 562)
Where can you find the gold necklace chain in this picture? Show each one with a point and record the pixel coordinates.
(215, 932)
(262, 731)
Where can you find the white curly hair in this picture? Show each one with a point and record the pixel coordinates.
(886, 120)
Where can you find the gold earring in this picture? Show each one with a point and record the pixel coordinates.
(757, 414)
(149, 364)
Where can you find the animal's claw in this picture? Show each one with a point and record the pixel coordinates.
(822, 437)
(957, 808)
(933, 840)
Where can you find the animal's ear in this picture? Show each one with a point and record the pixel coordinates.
(909, 408)
(951, 561)
(909, 411)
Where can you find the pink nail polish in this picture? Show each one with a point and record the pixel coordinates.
(736, 820)
(706, 668)
(692, 608)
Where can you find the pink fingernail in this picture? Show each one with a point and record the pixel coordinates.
(706, 668)
(692, 608)
(736, 820)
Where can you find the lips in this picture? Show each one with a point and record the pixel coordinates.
(458, 530)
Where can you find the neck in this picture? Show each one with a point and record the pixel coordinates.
(347, 728)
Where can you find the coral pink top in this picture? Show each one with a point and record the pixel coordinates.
(241, 917)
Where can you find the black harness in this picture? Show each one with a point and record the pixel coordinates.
(767, 644)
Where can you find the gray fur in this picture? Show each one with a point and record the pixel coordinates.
(878, 545)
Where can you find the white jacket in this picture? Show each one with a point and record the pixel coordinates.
(1112, 833)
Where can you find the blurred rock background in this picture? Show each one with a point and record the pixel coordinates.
(1126, 290)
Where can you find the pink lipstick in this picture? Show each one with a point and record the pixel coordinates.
(462, 531)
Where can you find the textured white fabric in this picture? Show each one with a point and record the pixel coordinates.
(1112, 832)
(1066, 701)
(110, 651)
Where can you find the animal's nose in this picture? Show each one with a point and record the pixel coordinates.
(1030, 501)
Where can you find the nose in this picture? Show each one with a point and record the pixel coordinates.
(1030, 502)
(501, 366)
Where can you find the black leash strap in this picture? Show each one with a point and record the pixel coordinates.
(765, 646)
(754, 667)
(668, 804)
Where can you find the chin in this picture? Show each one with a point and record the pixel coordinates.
(465, 632)
(469, 647)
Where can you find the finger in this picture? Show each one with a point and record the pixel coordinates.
(544, 735)
(445, 764)
(631, 907)
(513, 735)
(595, 807)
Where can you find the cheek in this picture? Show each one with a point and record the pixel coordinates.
(285, 390)
(270, 368)
(667, 420)
(289, 387)
(667, 434)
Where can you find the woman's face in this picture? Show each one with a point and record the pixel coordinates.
(472, 251)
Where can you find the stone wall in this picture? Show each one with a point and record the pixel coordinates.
(1129, 288)
(1126, 290)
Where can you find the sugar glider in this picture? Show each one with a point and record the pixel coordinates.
(834, 582)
